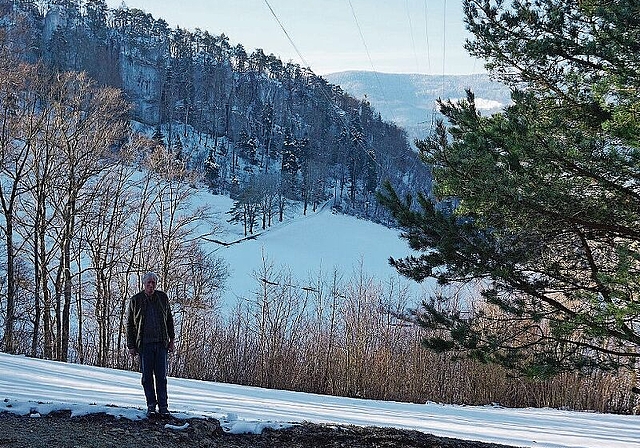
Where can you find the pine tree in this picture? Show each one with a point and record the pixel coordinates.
(290, 164)
(539, 205)
(212, 170)
(159, 137)
(177, 147)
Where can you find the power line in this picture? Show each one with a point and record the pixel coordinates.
(413, 41)
(444, 42)
(287, 34)
(364, 43)
(426, 33)
(342, 119)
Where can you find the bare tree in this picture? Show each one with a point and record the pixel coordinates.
(90, 122)
(16, 107)
(279, 319)
(107, 225)
(267, 186)
(43, 167)
(246, 208)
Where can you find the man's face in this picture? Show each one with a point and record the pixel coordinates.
(150, 286)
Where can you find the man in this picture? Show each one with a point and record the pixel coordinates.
(151, 335)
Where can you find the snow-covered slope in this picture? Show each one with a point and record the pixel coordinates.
(310, 246)
(30, 386)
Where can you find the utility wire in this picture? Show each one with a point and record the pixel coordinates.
(287, 34)
(346, 125)
(364, 43)
(444, 42)
(413, 41)
(426, 33)
(366, 47)
(428, 55)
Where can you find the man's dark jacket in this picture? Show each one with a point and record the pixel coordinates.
(135, 321)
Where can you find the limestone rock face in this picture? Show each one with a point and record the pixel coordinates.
(141, 77)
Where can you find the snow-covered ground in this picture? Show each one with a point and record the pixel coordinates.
(30, 386)
(307, 246)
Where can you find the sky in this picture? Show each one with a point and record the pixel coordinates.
(37, 387)
(397, 36)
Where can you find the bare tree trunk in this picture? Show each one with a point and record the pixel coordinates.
(37, 293)
(58, 311)
(67, 235)
(41, 273)
(10, 315)
(80, 314)
(14, 153)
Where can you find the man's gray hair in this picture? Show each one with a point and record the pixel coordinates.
(149, 275)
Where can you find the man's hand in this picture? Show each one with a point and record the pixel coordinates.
(133, 352)
(171, 346)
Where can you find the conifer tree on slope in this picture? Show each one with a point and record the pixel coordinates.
(545, 226)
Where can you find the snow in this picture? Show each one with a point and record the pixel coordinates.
(35, 387)
(306, 247)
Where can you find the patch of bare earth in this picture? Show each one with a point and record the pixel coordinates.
(101, 431)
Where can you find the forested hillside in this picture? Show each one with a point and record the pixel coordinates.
(257, 120)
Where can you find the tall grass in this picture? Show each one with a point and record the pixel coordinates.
(345, 338)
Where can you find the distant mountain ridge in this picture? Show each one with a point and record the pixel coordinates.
(409, 100)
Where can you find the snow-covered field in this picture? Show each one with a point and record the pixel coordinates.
(30, 385)
(307, 246)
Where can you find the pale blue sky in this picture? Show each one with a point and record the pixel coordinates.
(392, 36)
